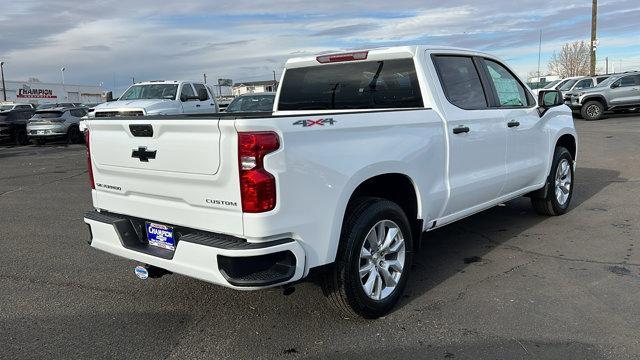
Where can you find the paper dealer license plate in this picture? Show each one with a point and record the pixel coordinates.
(161, 236)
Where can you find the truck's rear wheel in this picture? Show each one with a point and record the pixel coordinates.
(559, 185)
(373, 260)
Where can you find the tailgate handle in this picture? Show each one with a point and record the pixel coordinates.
(141, 130)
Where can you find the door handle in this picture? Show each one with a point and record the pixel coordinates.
(461, 129)
(513, 123)
(197, 105)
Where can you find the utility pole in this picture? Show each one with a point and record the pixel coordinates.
(594, 21)
(606, 61)
(4, 88)
(539, 54)
(133, 79)
(205, 78)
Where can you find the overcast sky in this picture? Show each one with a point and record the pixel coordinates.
(111, 42)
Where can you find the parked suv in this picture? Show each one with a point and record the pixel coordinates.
(618, 93)
(56, 123)
(584, 83)
(13, 124)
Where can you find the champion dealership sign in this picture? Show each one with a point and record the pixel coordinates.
(27, 92)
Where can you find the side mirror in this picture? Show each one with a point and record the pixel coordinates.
(615, 85)
(203, 95)
(548, 99)
(184, 98)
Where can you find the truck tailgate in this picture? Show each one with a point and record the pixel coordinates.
(184, 173)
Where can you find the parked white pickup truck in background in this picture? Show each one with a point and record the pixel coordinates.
(160, 98)
(363, 153)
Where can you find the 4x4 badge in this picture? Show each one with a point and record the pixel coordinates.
(143, 154)
(310, 122)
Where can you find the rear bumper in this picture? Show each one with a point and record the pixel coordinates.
(46, 130)
(215, 258)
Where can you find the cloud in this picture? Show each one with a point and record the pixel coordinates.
(247, 40)
(93, 48)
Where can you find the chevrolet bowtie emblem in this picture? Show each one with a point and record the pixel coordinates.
(143, 154)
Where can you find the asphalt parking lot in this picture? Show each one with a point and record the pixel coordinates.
(504, 284)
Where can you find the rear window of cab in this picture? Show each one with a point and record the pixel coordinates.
(352, 85)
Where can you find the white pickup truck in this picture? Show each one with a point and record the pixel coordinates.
(363, 152)
(165, 97)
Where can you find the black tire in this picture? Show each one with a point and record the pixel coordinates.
(592, 110)
(342, 283)
(21, 137)
(577, 114)
(549, 204)
(74, 136)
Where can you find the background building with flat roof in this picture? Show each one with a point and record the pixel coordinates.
(254, 87)
(35, 92)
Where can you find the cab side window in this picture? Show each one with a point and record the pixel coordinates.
(461, 82)
(583, 84)
(632, 80)
(187, 91)
(511, 93)
(201, 87)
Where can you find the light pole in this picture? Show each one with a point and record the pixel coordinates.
(4, 88)
(62, 72)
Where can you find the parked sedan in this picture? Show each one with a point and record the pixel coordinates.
(255, 102)
(55, 123)
(13, 124)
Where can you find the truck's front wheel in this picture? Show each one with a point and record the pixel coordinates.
(592, 110)
(559, 185)
(373, 260)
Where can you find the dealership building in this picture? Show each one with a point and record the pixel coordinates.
(46, 93)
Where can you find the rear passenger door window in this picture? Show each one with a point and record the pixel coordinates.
(510, 92)
(461, 82)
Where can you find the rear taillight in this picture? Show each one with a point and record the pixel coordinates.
(89, 168)
(359, 55)
(257, 185)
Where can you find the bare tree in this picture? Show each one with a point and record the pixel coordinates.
(572, 60)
